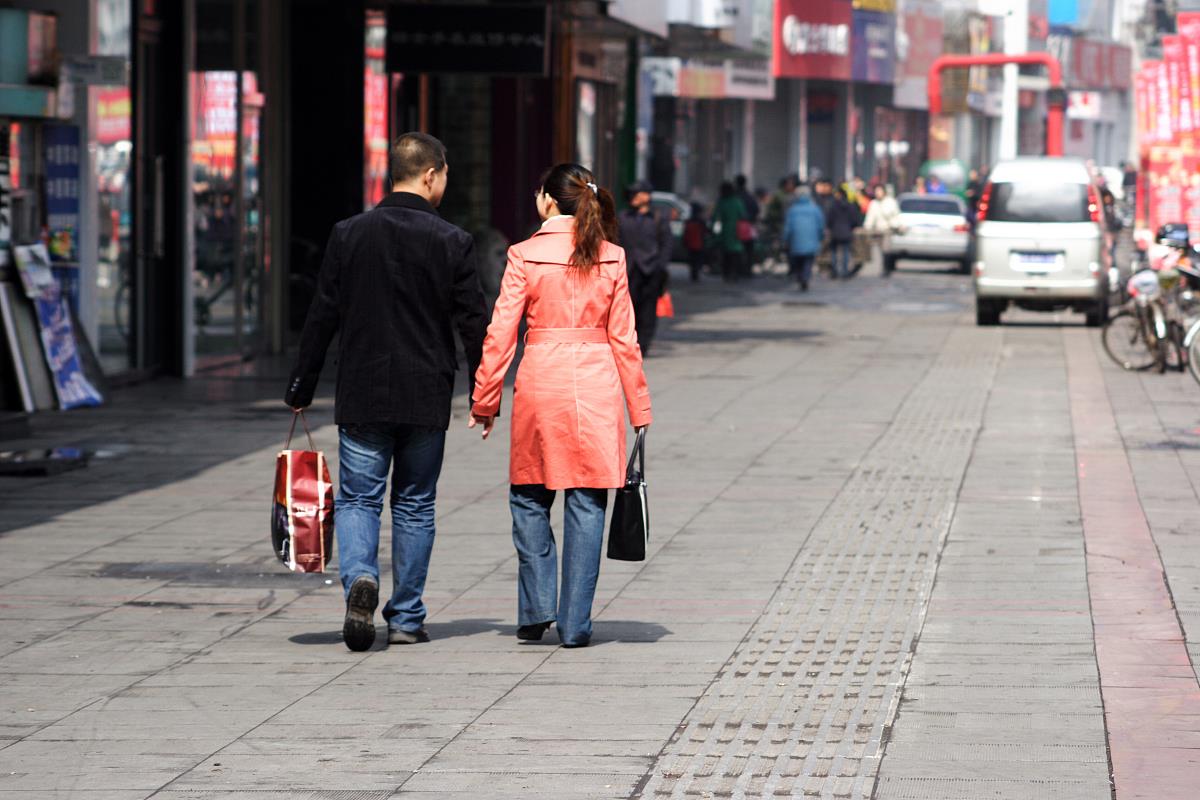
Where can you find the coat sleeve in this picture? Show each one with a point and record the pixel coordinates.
(500, 345)
(319, 327)
(470, 311)
(622, 337)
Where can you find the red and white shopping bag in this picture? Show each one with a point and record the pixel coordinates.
(302, 511)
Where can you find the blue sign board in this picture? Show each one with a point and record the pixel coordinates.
(62, 206)
(873, 46)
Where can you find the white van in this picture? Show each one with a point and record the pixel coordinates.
(1039, 241)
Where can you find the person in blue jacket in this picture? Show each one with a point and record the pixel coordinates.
(803, 230)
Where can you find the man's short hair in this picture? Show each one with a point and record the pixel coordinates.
(413, 153)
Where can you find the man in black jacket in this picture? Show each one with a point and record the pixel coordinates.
(394, 283)
(646, 237)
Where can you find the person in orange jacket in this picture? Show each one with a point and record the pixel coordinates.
(570, 284)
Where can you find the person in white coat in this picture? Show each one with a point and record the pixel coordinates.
(882, 215)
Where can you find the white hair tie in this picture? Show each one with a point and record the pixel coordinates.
(592, 186)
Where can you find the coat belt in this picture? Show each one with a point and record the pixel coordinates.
(566, 336)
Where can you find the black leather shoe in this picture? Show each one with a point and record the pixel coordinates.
(397, 636)
(532, 633)
(358, 630)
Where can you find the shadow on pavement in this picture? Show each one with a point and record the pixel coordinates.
(605, 631)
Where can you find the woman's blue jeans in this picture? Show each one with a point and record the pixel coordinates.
(365, 455)
(538, 599)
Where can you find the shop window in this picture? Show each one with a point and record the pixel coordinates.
(113, 139)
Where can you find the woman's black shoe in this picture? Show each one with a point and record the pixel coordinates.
(532, 633)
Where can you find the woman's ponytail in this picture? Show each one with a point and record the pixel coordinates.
(575, 191)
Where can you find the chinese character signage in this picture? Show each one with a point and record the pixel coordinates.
(490, 39)
(812, 40)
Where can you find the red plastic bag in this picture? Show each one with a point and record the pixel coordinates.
(665, 308)
(302, 511)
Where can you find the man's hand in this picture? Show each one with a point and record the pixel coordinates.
(487, 422)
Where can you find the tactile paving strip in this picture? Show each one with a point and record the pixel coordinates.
(801, 707)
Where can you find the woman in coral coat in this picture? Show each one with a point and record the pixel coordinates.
(568, 282)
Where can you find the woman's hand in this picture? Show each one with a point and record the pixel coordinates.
(487, 422)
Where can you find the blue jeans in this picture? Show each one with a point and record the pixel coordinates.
(365, 454)
(583, 534)
(841, 259)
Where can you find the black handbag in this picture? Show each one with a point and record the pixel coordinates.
(629, 532)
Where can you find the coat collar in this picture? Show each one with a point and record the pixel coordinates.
(557, 225)
(407, 200)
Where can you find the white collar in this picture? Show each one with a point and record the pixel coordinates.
(557, 216)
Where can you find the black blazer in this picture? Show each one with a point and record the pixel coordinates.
(393, 281)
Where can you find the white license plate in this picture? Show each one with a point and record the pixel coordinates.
(1036, 263)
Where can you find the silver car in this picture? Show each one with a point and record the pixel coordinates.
(1039, 241)
(930, 226)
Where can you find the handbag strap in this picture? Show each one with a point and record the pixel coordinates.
(639, 453)
(299, 413)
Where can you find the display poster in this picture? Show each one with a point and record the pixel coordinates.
(54, 323)
(873, 46)
(62, 191)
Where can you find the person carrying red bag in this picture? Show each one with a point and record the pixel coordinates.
(395, 282)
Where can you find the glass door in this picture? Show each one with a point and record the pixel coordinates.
(227, 108)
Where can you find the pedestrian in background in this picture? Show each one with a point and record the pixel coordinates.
(882, 214)
(775, 213)
(568, 423)
(972, 193)
(695, 235)
(646, 237)
(748, 230)
(728, 213)
(803, 232)
(395, 283)
(843, 218)
(823, 197)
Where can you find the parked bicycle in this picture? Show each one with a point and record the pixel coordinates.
(1160, 322)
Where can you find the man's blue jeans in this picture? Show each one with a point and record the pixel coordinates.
(365, 454)
(537, 556)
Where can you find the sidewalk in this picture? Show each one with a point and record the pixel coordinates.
(868, 578)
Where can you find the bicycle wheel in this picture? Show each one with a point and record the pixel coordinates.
(1125, 340)
(1193, 355)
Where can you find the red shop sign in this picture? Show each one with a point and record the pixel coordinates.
(812, 40)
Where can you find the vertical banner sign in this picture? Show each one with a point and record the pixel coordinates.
(1175, 55)
(1189, 29)
(1162, 103)
(1173, 58)
(62, 206)
(1143, 109)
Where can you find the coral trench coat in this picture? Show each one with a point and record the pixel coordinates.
(581, 356)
